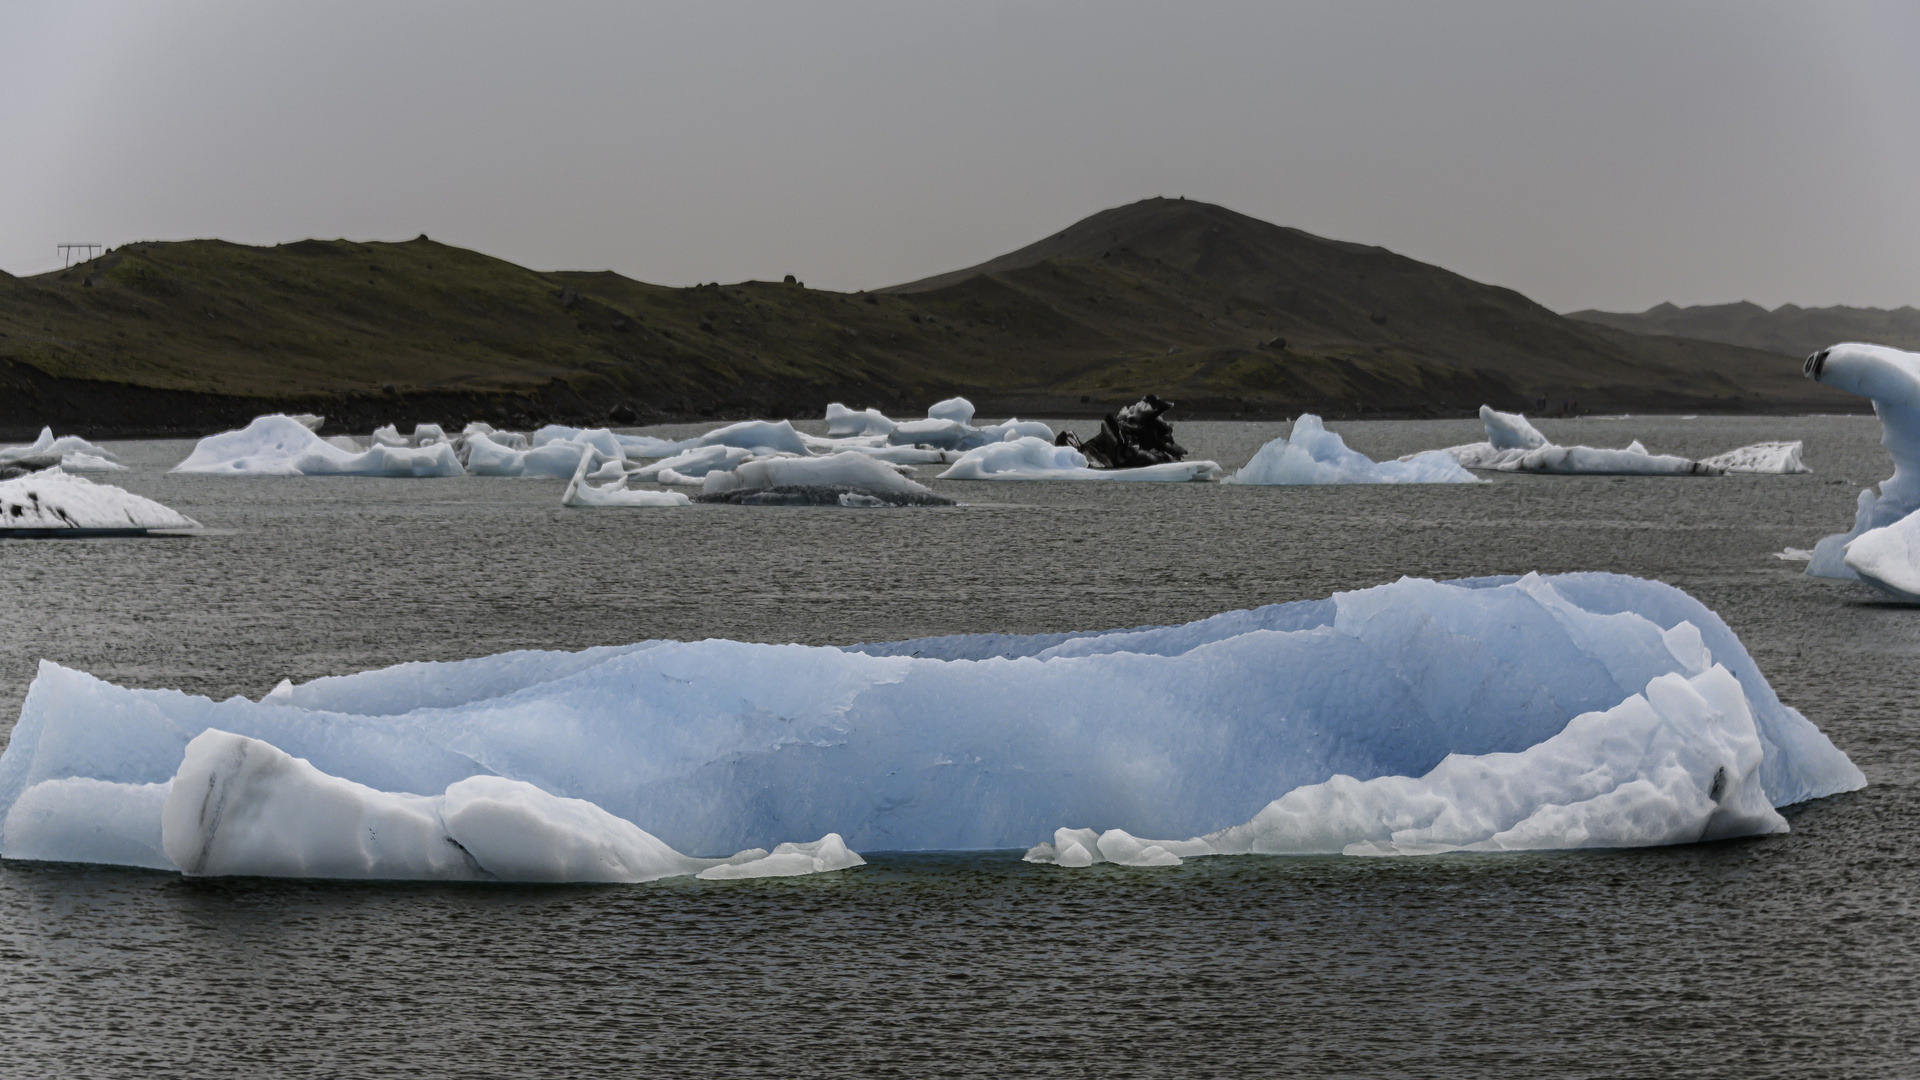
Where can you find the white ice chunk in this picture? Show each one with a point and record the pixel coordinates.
(938, 433)
(311, 421)
(282, 446)
(52, 500)
(551, 459)
(1037, 459)
(840, 470)
(1513, 445)
(842, 422)
(1773, 458)
(1888, 558)
(691, 465)
(582, 493)
(75, 453)
(1510, 431)
(766, 436)
(827, 854)
(1891, 378)
(957, 409)
(1314, 455)
(243, 806)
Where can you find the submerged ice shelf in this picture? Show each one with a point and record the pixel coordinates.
(1593, 708)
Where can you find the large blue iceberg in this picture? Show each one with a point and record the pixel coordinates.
(1645, 719)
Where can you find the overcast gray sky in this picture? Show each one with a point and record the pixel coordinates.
(1606, 154)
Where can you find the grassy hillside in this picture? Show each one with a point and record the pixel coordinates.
(1789, 329)
(1223, 313)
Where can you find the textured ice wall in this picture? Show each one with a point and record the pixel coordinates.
(1314, 455)
(1891, 378)
(1176, 731)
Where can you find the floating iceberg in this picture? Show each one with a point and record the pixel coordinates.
(847, 473)
(1314, 455)
(1891, 378)
(1888, 558)
(763, 436)
(957, 409)
(1514, 446)
(75, 453)
(389, 435)
(690, 468)
(51, 503)
(581, 493)
(1771, 458)
(1540, 712)
(843, 422)
(1031, 458)
(282, 446)
(550, 459)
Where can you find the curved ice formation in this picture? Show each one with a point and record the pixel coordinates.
(1314, 455)
(848, 470)
(1891, 378)
(1888, 558)
(580, 493)
(1771, 458)
(1031, 458)
(52, 503)
(1536, 702)
(75, 453)
(279, 445)
(690, 467)
(842, 422)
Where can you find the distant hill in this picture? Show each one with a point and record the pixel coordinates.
(1789, 329)
(1226, 314)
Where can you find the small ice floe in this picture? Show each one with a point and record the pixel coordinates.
(71, 452)
(1794, 554)
(844, 479)
(1037, 459)
(51, 504)
(1770, 458)
(1888, 558)
(1891, 379)
(1314, 455)
(280, 445)
(1514, 445)
(581, 491)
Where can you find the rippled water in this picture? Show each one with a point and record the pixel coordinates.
(1790, 956)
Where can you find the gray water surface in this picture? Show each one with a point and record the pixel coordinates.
(1789, 956)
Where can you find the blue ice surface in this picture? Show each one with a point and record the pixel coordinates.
(967, 742)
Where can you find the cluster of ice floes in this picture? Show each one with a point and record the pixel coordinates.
(71, 452)
(1032, 458)
(1583, 710)
(1314, 455)
(1514, 445)
(52, 503)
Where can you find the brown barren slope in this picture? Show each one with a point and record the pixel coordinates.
(1176, 297)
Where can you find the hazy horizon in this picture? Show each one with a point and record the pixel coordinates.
(1608, 157)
